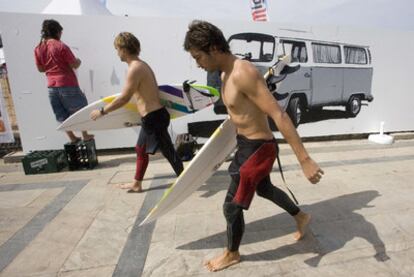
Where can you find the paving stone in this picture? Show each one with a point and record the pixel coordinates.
(361, 219)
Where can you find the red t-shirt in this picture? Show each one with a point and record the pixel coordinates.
(55, 57)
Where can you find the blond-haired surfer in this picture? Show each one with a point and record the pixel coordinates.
(142, 84)
(249, 103)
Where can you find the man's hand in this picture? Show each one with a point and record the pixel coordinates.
(312, 170)
(95, 114)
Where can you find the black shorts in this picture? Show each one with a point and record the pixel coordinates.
(154, 127)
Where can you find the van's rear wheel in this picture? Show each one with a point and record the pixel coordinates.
(294, 110)
(354, 106)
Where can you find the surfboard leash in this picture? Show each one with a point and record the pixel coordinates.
(284, 181)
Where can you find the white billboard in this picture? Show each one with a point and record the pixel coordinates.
(102, 74)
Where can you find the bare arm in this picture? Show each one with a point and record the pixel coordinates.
(39, 64)
(40, 68)
(254, 87)
(132, 82)
(76, 64)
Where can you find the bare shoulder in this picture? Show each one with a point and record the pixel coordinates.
(135, 70)
(245, 74)
(136, 66)
(141, 67)
(244, 69)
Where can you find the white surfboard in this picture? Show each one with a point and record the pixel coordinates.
(179, 102)
(201, 167)
(205, 163)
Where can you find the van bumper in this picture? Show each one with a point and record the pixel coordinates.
(369, 98)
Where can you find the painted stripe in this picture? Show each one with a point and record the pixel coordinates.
(172, 98)
(24, 236)
(109, 99)
(133, 256)
(128, 106)
(211, 90)
(169, 104)
(174, 106)
(171, 90)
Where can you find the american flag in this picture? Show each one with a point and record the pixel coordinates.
(259, 10)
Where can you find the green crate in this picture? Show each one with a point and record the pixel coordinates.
(47, 161)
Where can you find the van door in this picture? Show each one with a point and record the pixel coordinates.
(357, 74)
(327, 75)
(299, 81)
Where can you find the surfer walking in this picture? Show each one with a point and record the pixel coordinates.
(155, 119)
(249, 103)
(56, 60)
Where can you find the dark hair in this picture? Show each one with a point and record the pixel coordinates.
(204, 36)
(129, 42)
(51, 29)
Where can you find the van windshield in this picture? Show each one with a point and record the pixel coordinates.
(253, 46)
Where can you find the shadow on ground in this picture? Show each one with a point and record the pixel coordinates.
(116, 162)
(320, 115)
(335, 223)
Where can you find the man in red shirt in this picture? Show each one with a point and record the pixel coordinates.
(56, 59)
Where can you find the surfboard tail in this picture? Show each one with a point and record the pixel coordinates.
(145, 221)
(149, 218)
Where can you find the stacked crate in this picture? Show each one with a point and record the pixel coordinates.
(44, 161)
(81, 155)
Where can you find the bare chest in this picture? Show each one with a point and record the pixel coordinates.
(231, 96)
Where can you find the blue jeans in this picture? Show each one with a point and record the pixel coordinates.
(66, 101)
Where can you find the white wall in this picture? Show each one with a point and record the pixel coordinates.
(102, 74)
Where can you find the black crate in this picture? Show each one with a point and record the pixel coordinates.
(186, 146)
(81, 155)
(47, 161)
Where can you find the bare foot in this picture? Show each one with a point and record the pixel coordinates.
(88, 137)
(302, 221)
(131, 187)
(223, 261)
(75, 140)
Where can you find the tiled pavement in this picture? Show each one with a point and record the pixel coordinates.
(75, 223)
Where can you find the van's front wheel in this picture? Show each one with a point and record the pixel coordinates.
(354, 106)
(294, 110)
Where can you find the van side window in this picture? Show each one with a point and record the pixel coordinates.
(296, 49)
(325, 53)
(355, 55)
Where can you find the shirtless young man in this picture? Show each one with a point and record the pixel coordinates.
(141, 84)
(249, 103)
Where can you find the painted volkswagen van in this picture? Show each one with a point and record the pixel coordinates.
(330, 73)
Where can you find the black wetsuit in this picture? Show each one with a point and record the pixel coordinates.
(249, 172)
(154, 134)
